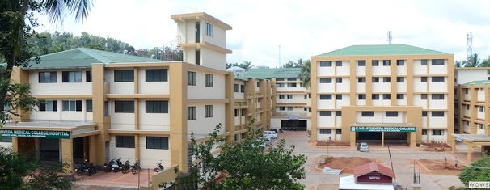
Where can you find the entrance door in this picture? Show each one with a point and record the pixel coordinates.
(27, 146)
(49, 149)
(293, 125)
(369, 137)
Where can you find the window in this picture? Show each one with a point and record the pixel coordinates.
(361, 63)
(125, 141)
(438, 96)
(71, 76)
(391, 114)
(400, 96)
(198, 57)
(466, 91)
(123, 75)
(88, 76)
(290, 108)
(361, 79)
(480, 126)
(338, 131)
(400, 62)
(467, 107)
(437, 132)
(291, 84)
(5, 139)
(191, 78)
(325, 97)
(208, 82)
(47, 77)
(387, 96)
(438, 62)
(338, 97)
(424, 113)
(309, 109)
(106, 108)
(282, 108)
(282, 97)
(290, 96)
(338, 113)
(338, 80)
(367, 114)
(481, 109)
(157, 143)
(325, 63)
(437, 114)
(153, 106)
(338, 63)
(209, 29)
(291, 79)
(71, 105)
(325, 113)
(386, 79)
(48, 105)
(375, 62)
(191, 113)
(375, 96)
(124, 106)
(400, 79)
(280, 84)
(386, 62)
(236, 87)
(157, 75)
(325, 80)
(423, 62)
(361, 96)
(423, 96)
(279, 79)
(208, 111)
(89, 105)
(375, 79)
(424, 131)
(423, 79)
(437, 79)
(325, 131)
(237, 113)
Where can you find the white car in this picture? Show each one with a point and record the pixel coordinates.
(364, 147)
(270, 134)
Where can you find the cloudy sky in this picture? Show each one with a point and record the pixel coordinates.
(302, 28)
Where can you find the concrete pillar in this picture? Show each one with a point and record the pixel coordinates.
(92, 148)
(413, 140)
(382, 139)
(67, 154)
(15, 144)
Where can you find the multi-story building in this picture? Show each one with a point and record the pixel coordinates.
(394, 93)
(98, 105)
(290, 100)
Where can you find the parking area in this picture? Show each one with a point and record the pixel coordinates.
(403, 158)
(113, 180)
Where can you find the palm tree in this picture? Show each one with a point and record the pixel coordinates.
(473, 61)
(305, 74)
(485, 62)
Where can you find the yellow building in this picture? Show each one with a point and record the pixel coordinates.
(395, 93)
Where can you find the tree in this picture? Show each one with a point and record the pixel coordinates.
(244, 65)
(292, 64)
(485, 62)
(17, 20)
(473, 61)
(305, 74)
(245, 164)
(458, 64)
(479, 170)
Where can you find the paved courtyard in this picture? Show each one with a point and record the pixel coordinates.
(402, 157)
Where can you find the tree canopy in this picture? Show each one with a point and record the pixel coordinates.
(292, 64)
(305, 74)
(474, 61)
(478, 170)
(244, 65)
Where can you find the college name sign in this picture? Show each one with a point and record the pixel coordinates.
(384, 129)
(35, 133)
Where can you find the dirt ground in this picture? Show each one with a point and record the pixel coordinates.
(438, 164)
(332, 143)
(434, 146)
(345, 164)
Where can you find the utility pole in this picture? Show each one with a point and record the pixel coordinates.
(279, 56)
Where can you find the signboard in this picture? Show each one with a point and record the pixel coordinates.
(293, 117)
(384, 129)
(35, 133)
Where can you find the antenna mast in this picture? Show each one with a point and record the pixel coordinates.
(279, 56)
(469, 44)
(389, 37)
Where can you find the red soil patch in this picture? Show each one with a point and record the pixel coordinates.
(438, 164)
(345, 164)
(332, 143)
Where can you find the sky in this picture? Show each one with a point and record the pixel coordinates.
(270, 32)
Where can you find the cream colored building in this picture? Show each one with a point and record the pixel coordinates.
(395, 93)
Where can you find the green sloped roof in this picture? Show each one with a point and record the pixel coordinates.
(379, 49)
(479, 82)
(84, 58)
(272, 73)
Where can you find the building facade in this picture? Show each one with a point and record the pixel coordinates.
(398, 93)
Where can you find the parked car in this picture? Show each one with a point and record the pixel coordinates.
(364, 147)
(270, 134)
(266, 141)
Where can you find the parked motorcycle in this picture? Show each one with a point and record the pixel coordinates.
(125, 167)
(79, 168)
(108, 166)
(90, 169)
(159, 167)
(116, 166)
(135, 168)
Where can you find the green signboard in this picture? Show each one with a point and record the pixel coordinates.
(384, 129)
(35, 133)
